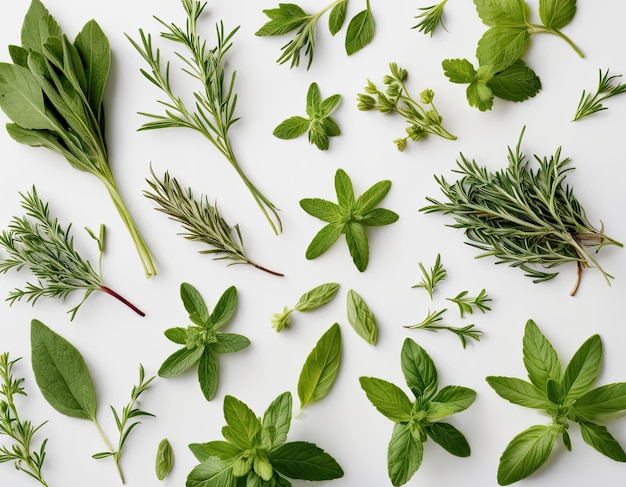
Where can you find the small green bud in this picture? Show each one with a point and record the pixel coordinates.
(242, 466)
(281, 320)
(427, 96)
(388, 79)
(416, 132)
(393, 90)
(385, 105)
(400, 144)
(365, 102)
(263, 468)
(398, 73)
(371, 88)
(433, 117)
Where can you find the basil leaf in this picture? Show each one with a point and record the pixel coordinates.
(503, 12)
(224, 308)
(361, 318)
(318, 136)
(554, 392)
(242, 423)
(389, 399)
(610, 398)
(321, 367)
(358, 245)
(360, 31)
(337, 17)
(61, 373)
(372, 196)
(500, 46)
(459, 70)
(180, 361)
(556, 14)
(324, 239)
(599, 437)
(404, 454)
(220, 449)
(324, 210)
(457, 398)
(305, 461)
(177, 335)
(583, 369)
(291, 128)
(313, 99)
(212, 472)
(164, 459)
(194, 304)
(230, 343)
(520, 392)
(526, 453)
(344, 189)
(517, 83)
(316, 297)
(540, 358)
(38, 26)
(418, 369)
(449, 437)
(378, 217)
(277, 417)
(208, 372)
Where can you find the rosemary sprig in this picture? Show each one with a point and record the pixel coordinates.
(213, 113)
(21, 432)
(122, 419)
(200, 219)
(467, 303)
(431, 17)
(526, 218)
(37, 242)
(422, 117)
(432, 323)
(607, 87)
(431, 278)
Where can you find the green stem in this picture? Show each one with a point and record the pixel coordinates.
(110, 448)
(539, 29)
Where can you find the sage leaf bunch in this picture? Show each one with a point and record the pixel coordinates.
(309, 301)
(361, 317)
(53, 92)
(501, 72)
(255, 450)
(608, 86)
(21, 433)
(422, 116)
(39, 243)
(201, 220)
(528, 218)
(349, 216)
(567, 396)
(213, 113)
(415, 421)
(203, 342)
(164, 459)
(431, 18)
(321, 367)
(320, 125)
(291, 18)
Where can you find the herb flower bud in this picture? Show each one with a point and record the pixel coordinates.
(393, 90)
(400, 144)
(365, 102)
(263, 468)
(371, 88)
(242, 466)
(388, 79)
(427, 96)
(416, 132)
(385, 105)
(433, 116)
(281, 320)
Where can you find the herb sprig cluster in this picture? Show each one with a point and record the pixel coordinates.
(608, 86)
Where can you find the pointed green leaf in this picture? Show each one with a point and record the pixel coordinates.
(326, 211)
(479, 95)
(212, 472)
(284, 19)
(518, 82)
(164, 459)
(330, 127)
(324, 239)
(61, 373)
(344, 189)
(459, 70)
(526, 453)
(19, 55)
(519, 392)
(379, 217)
(361, 318)
(610, 398)
(457, 398)
(419, 370)
(277, 416)
(224, 308)
(404, 455)
(208, 372)
(599, 437)
(313, 100)
(360, 31)
(540, 358)
(501, 46)
(38, 26)
(337, 17)
(450, 438)
(242, 425)
(177, 335)
(358, 245)
(220, 449)
(318, 136)
(583, 369)
(556, 14)
(194, 304)
(389, 399)
(180, 361)
(321, 367)
(316, 297)
(328, 105)
(292, 127)
(230, 343)
(503, 12)
(306, 461)
(372, 197)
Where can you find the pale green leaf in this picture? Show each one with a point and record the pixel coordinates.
(316, 297)
(404, 455)
(292, 127)
(556, 14)
(387, 398)
(361, 318)
(360, 31)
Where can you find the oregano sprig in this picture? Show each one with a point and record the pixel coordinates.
(608, 86)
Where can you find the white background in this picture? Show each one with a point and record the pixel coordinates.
(114, 340)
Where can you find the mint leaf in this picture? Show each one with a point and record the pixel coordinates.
(517, 83)
(292, 127)
(404, 454)
(540, 358)
(387, 398)
(242, 425)
(503, 12)
(556, 14)
(459, 70)
(337, 17)
(360, 31)
(582, 371)
(450, 438)
(501, 46)
(419, 370)
(479, 95)
(306, 461)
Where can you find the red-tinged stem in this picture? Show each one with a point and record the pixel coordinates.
(269, 271)
(123, 300)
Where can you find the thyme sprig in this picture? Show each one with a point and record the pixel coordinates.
(200, 219)
(432, 322)
(21, 432)
(37, 242)
(213, 113)
(527, 218)
(607, 87)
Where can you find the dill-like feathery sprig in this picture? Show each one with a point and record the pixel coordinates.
(200, 219)
(431, 17)
(431, 278)
(432, 322)
(607, 87)
(37, 242)
(21, 432)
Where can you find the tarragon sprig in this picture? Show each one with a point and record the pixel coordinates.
(201, 220)
(467, 303)
(21, 432)
(607, 87)
(40, 244)
(432, 322)
(431, 17)
(213, 113)
(431, 278)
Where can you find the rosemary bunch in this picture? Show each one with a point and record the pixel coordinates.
(54, 91)
(212, 115)
(37, 242)
(21, 432)
(526, 218)
(200, 219)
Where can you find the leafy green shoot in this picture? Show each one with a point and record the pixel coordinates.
(431, 278)
(432, 322)
(467, 303)
(309, 301)
(431, 17)
(608, 86)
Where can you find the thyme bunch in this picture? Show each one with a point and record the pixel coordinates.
(200, 219)
(524, 217)
(213, 113)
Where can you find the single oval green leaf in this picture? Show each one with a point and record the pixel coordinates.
(177, 335)
(164, 459)
(292, 127)
(277, 418)
(230, 343)
(321, 367)
(607, 399)
(360, 31)
(379, 217)
(459, 70)
(180, 361)
(305, 461)
(520, 392)
(61, 373)
(372, 196)
(317, 297)
(224, 308)
(337, 17)
(540, 358)
(212, 472)
(325, 210)
(500, 47)
(516, 83)
(95, 53)
(457, 398)
(220, 449)
(449, 438)
(324, 239)
(582, 371)
(502, 12)
(194, 304)
(313, 99)
(556, 14)
(599, 437)
(38, 26)
(404, 454)
(387, 398)
(344, 189)
(358, 244)
(361, 318)
(208, 372)
(242, 425)
(419, 370)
